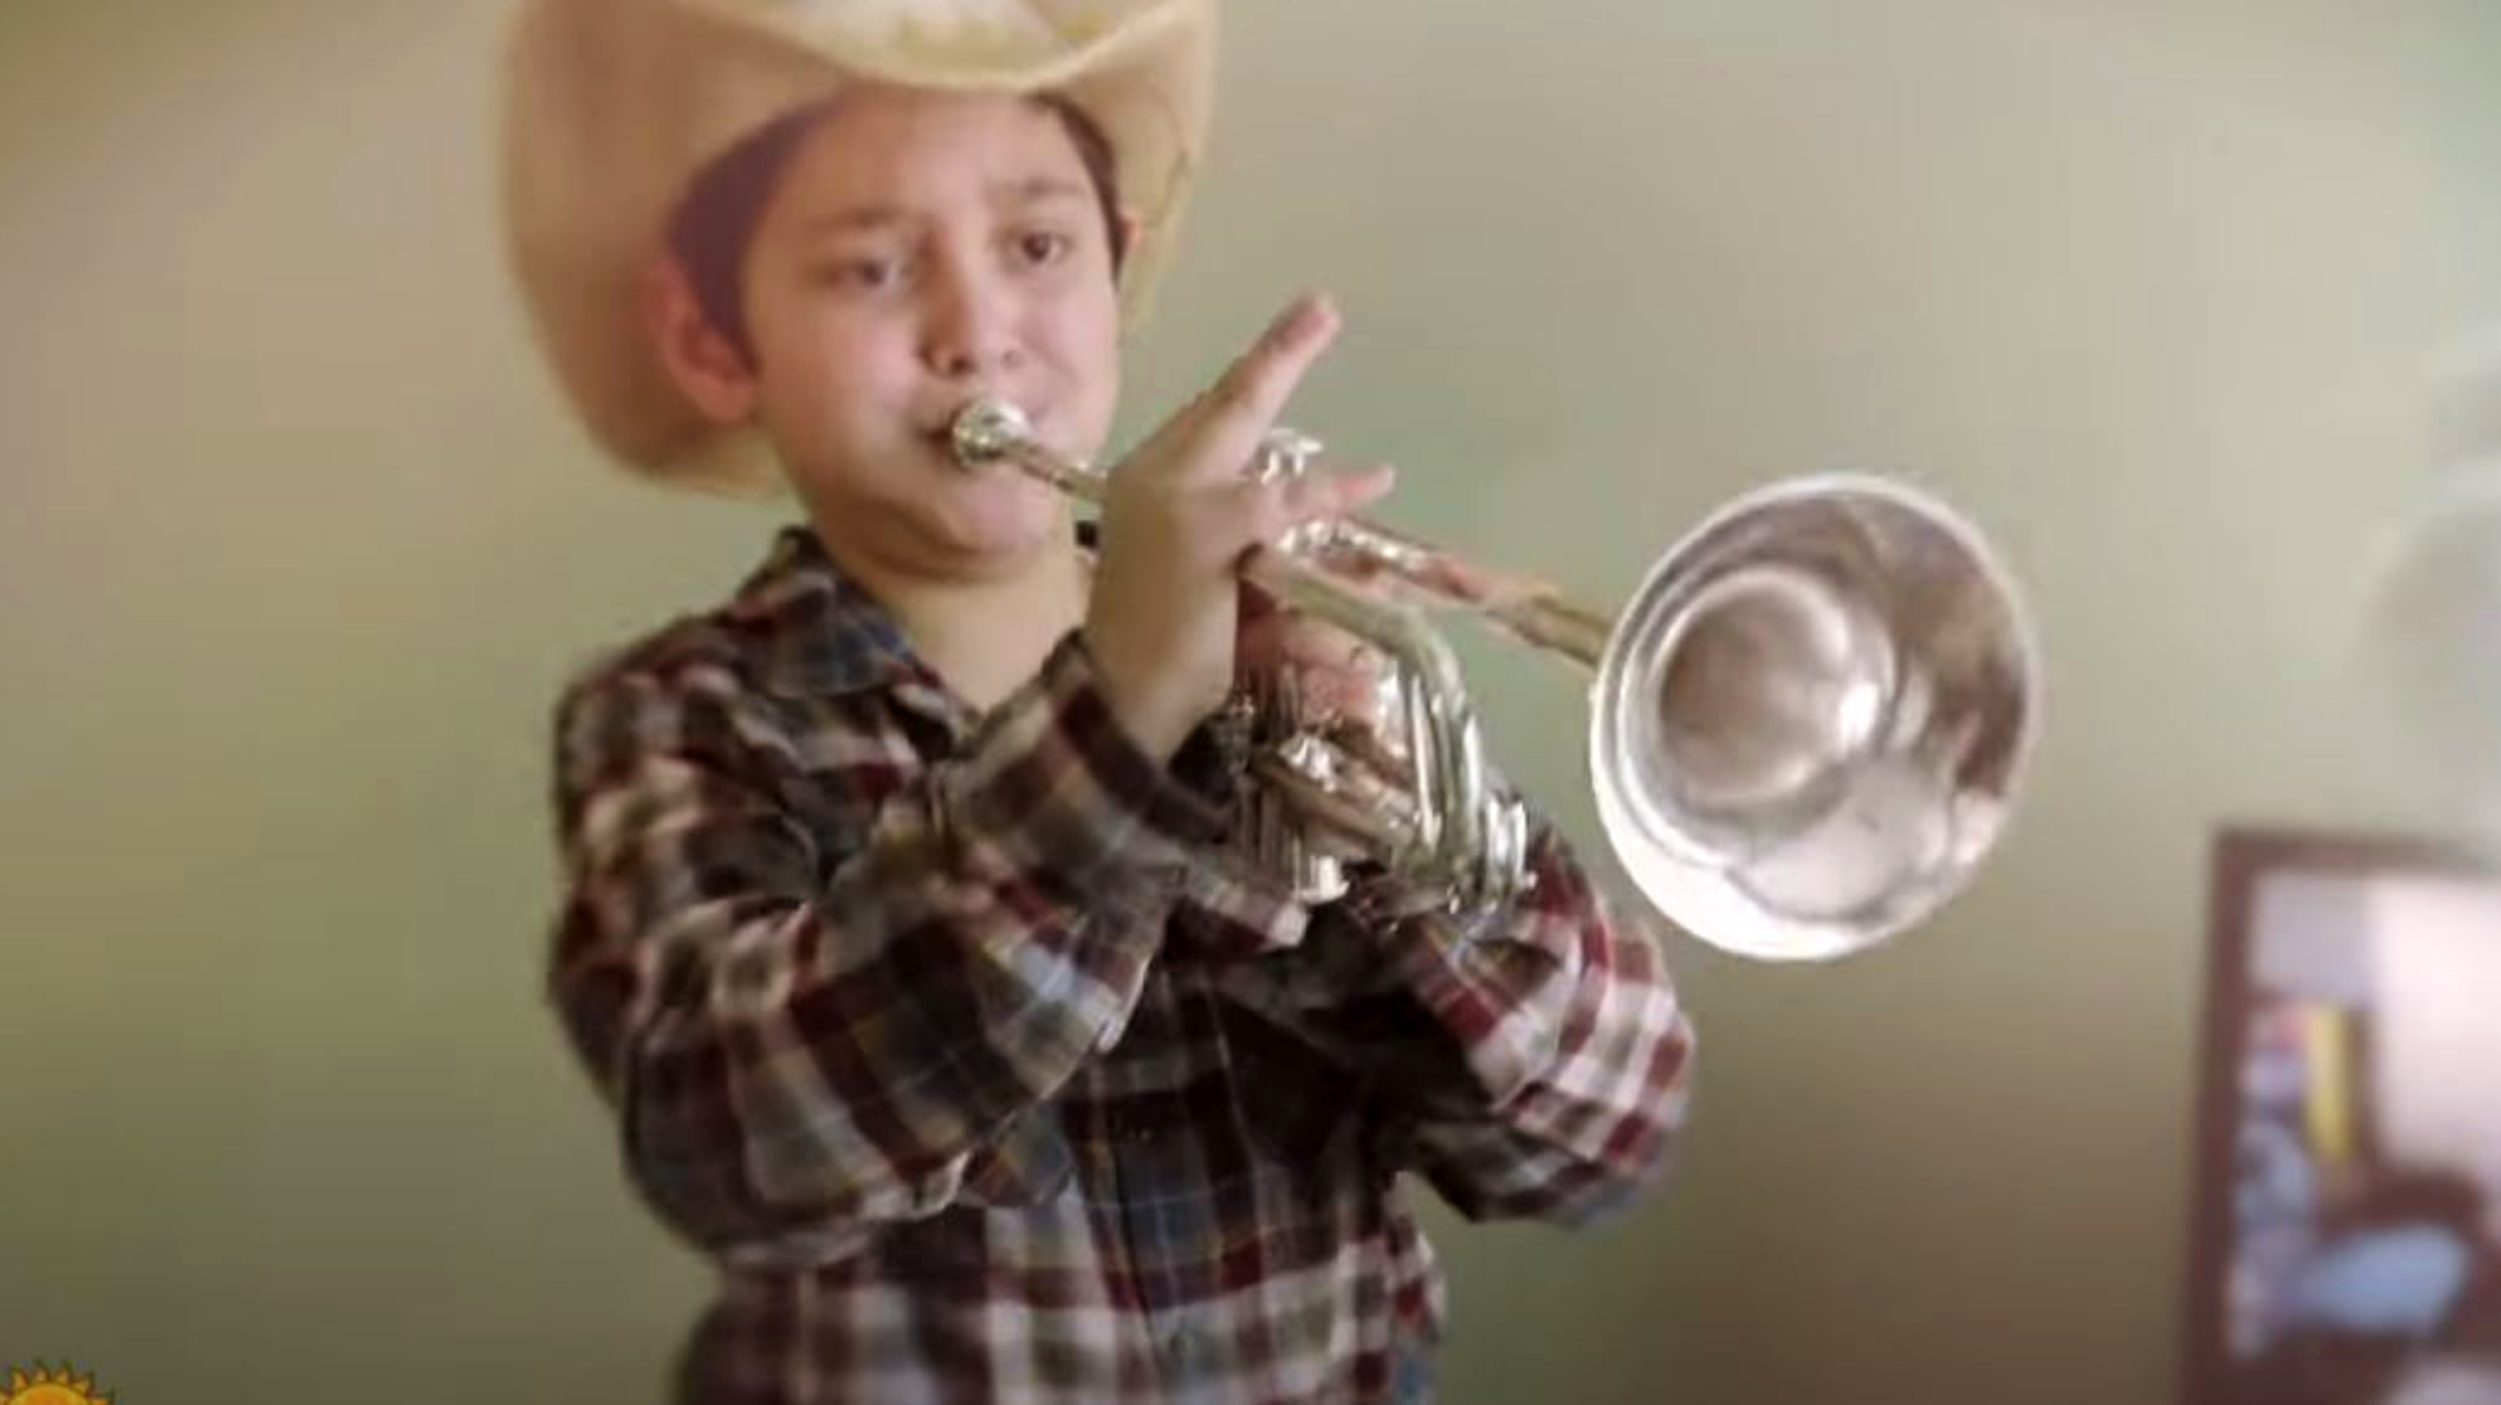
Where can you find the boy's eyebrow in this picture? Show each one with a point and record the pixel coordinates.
(1032, 190)
(1035, 189)
(850, 219)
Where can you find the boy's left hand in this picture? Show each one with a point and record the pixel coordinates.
(1339, 687)
(1337, 675)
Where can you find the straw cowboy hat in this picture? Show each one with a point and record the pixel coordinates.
(612, 105)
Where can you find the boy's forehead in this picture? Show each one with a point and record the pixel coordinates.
(889, 144)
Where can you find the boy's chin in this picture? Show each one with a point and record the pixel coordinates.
(1006, 520)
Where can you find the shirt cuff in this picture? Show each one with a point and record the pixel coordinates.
(1053, 780)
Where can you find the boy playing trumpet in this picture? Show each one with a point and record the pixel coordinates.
(900, 930)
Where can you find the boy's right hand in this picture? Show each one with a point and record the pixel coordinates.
(1179, 515)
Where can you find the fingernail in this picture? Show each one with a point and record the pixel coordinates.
(1287, 324)
(1305, 317)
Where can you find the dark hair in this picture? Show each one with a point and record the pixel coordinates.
(715, 219)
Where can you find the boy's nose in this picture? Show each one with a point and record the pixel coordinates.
(967, 331)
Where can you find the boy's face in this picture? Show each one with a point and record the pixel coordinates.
(920, 249)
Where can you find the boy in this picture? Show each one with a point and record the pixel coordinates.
(901, 930)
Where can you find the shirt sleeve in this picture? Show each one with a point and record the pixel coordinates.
(1539, 1065)
(799, 1042)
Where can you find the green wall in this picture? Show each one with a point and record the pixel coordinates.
(295, 544)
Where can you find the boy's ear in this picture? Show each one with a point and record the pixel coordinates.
(701, 361)
(1130, 224)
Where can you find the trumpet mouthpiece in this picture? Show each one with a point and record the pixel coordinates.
(987, 429)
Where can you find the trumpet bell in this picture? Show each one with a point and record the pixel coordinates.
(1810, 720)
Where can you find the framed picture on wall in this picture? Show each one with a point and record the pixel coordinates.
(2345, 1247)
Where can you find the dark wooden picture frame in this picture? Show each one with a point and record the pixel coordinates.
(2241, 857)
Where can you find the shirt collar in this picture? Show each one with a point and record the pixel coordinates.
(817, 631)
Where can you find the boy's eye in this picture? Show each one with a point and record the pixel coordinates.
(864, 272)
(1042, 246)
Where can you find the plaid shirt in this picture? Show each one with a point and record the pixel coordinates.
(984, 1070)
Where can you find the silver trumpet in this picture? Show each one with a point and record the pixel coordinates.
(1807, 725)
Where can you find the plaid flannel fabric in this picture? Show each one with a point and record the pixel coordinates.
(985, 1072)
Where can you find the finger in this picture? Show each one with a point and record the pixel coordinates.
(1256, 602)
(1249, 512)
(1232, 414)
(1261, 640)
(1316, 496)
(1308, 640)
(1465, 582)
(1260, 380)
(1348, 696)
